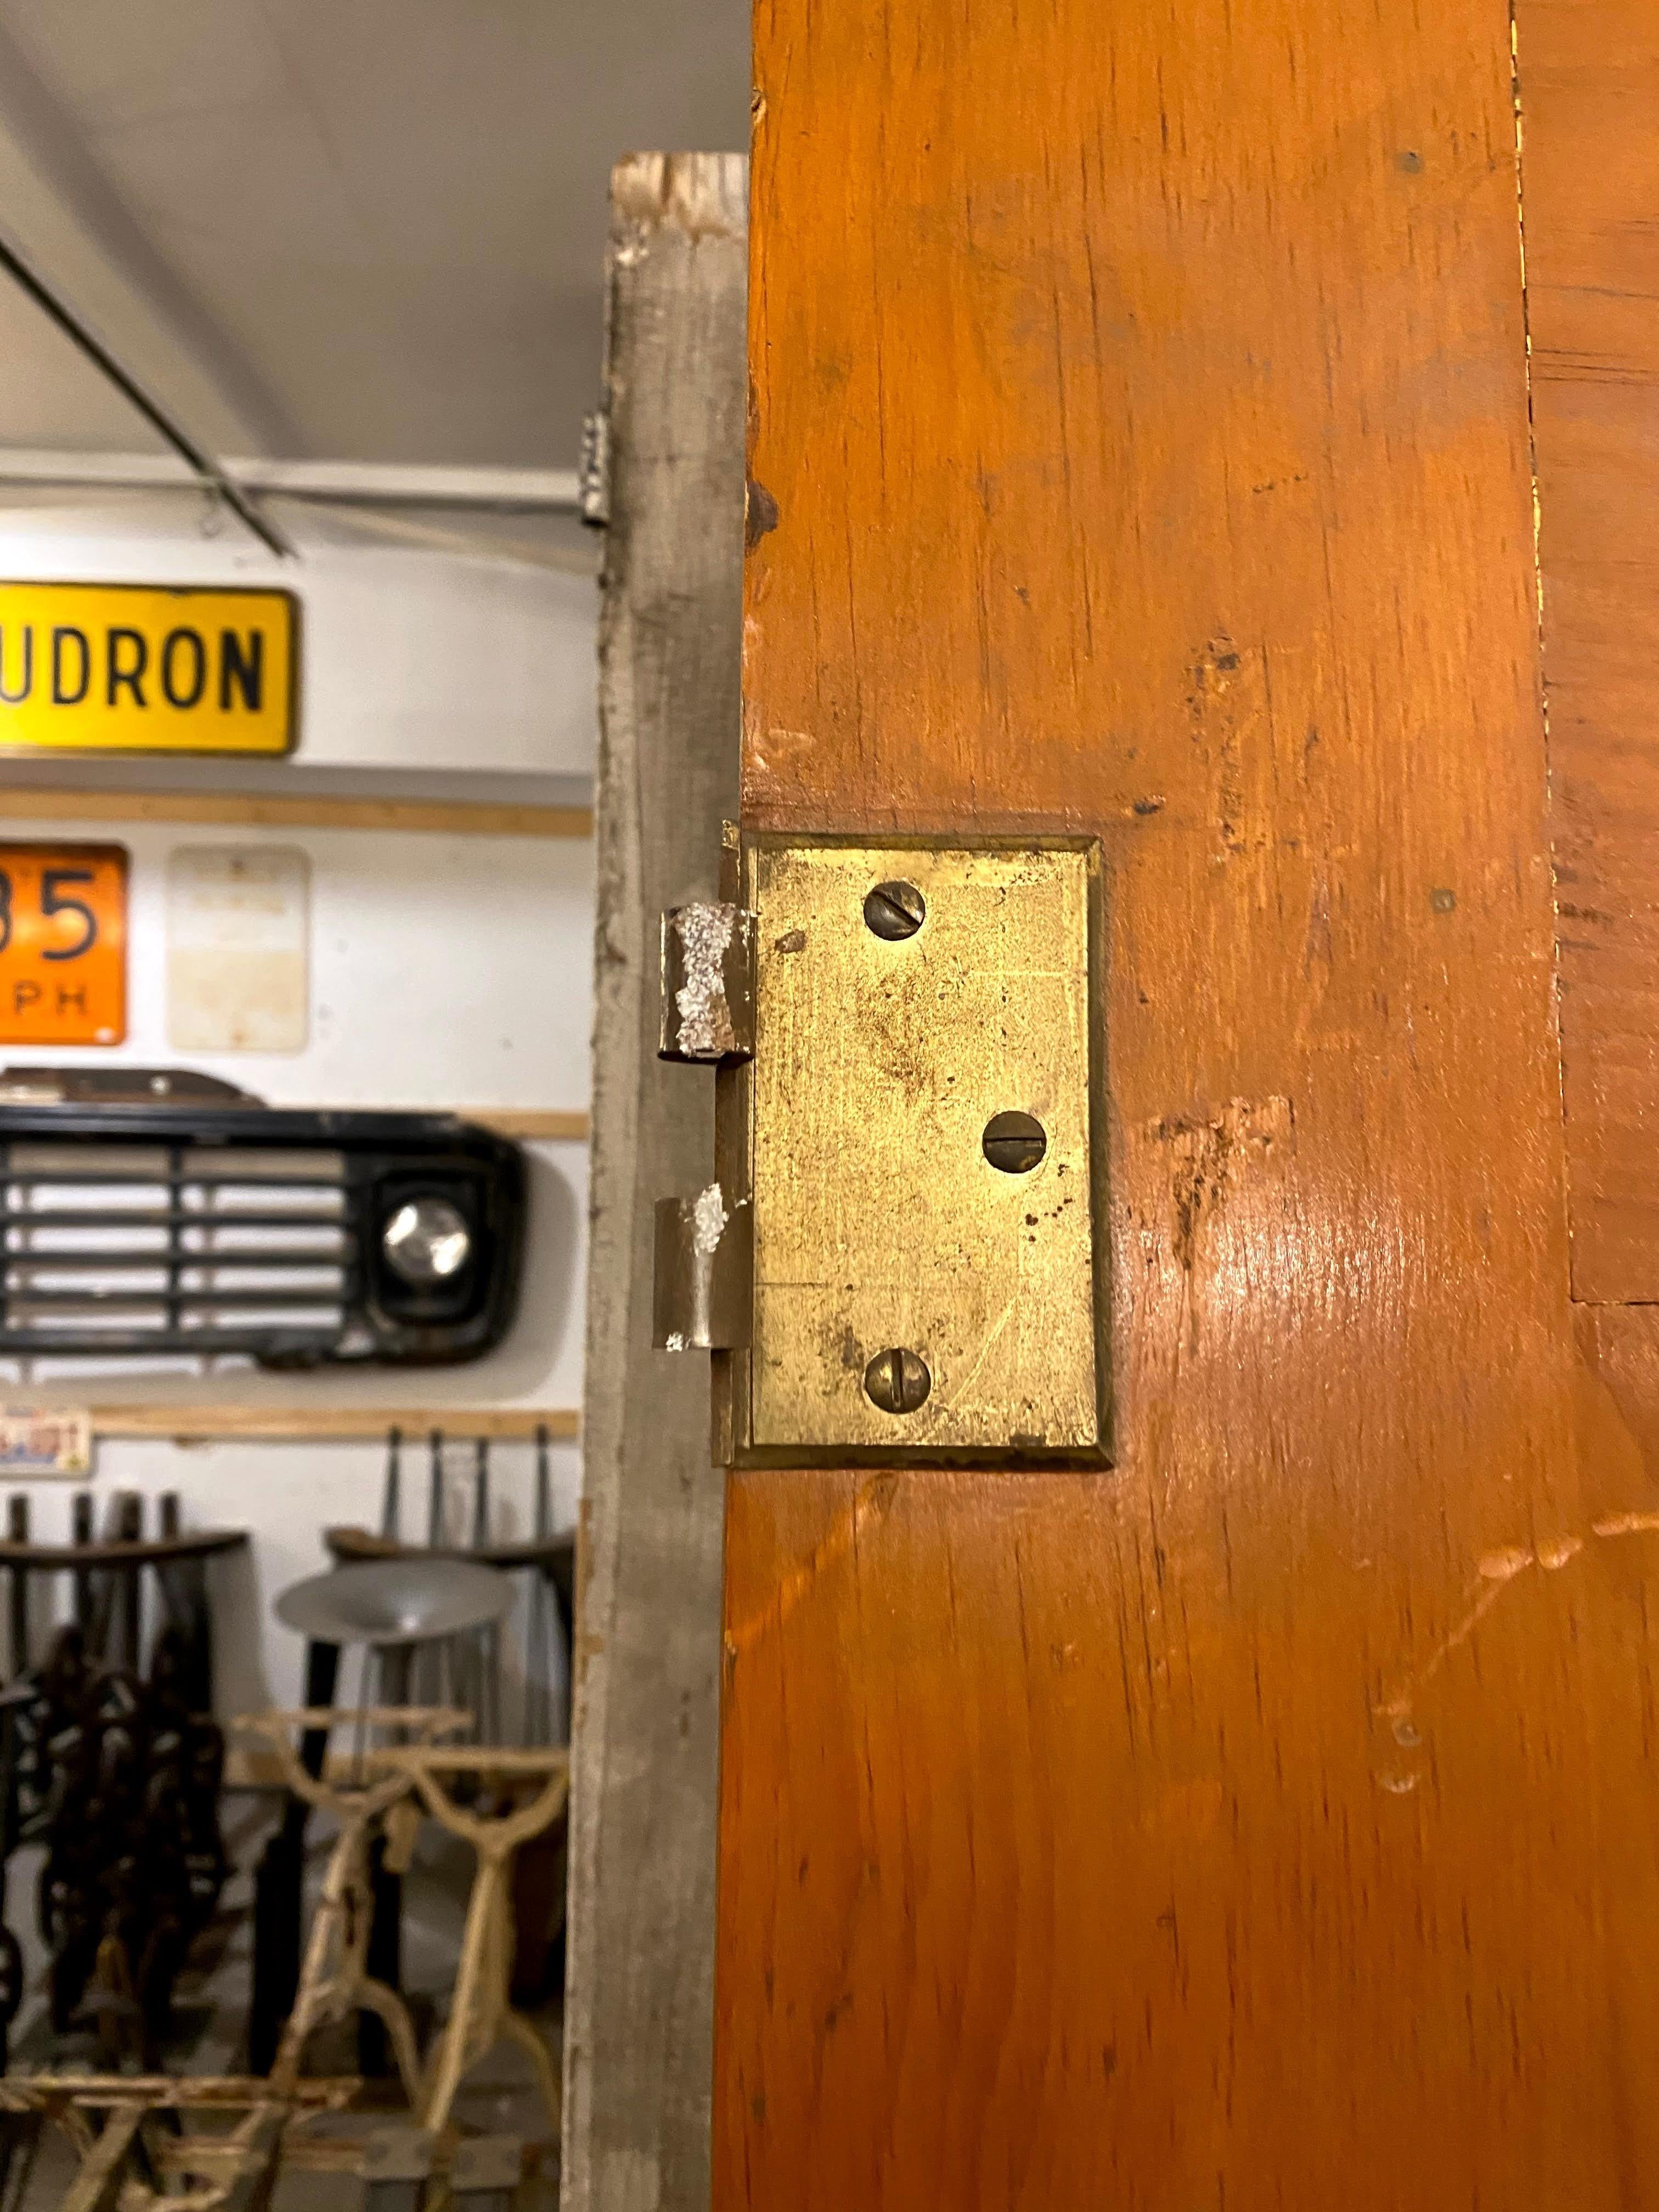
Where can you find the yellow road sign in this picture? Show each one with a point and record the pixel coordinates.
(139, 668)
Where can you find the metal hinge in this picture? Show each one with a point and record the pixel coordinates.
(704, 1253)
(704, 1262)
(896, 1258)
(708, 982)
(594, 481)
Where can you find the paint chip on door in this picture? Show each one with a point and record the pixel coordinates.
(238, 948)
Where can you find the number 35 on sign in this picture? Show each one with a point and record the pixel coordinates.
(62, 944)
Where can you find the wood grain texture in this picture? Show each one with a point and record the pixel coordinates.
(1141, 435)
(1620, 1347)
(1589, 82)
(639, 1997)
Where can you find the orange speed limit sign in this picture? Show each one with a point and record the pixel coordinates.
(62, 944)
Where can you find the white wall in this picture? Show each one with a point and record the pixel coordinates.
(445, 970)
(408, 658)
(451, 971)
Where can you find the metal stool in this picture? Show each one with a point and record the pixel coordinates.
(391, 1607)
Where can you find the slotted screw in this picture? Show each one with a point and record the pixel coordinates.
(897, 1381)
(1014, 1142)
(894, 910)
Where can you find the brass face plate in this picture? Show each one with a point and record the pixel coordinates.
(881, 1226)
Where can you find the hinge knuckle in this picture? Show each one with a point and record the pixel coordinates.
(704, 1265)
(708, 982)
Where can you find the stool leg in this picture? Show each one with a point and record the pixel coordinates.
(322, 1677)
(505, 2018)
(328, 1942)
(336, 1980)
(393, 1667)
(17, 1528)
(525, 2032)
(453, 2053)
(129, 1529)
(279, 1884)
(384, 1956)
(391, 2014)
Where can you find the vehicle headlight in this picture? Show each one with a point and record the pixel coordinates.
(426, 1241)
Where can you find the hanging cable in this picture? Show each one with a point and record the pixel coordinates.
(213, 476)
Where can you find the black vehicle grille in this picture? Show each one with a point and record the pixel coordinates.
(239, 1229)
(219, 1250)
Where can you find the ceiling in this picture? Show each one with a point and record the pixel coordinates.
(367, 230)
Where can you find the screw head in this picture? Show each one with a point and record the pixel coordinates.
(894, 910)
(897, 1380)
(1015, 1142)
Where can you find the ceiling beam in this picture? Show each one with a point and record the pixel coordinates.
(367, 484)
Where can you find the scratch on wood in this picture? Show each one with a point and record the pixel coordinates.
(776, 751)
(1497, 1571)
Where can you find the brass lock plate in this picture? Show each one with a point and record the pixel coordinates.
(919, 1134)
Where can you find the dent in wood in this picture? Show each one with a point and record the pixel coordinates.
(1204, 1151)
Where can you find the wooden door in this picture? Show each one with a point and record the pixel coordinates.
(1139, 450)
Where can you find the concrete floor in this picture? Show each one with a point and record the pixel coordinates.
(210, 2018)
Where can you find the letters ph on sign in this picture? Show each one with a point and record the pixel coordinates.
(62, 944)
(135, 668)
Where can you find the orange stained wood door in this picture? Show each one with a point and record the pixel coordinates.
(1140, 449)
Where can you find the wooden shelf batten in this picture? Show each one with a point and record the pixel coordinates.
(258, 810)
(207, 1423)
